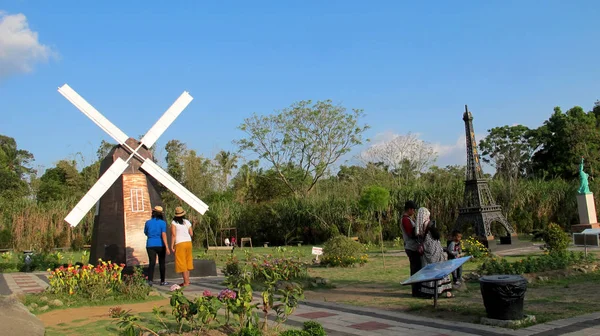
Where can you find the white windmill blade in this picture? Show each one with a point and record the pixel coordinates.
(98, 189)
(167, 119)
(93, 114)
(165, 179)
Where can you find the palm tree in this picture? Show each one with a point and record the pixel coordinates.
(226, 161)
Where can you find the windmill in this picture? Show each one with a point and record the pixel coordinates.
(127, 188)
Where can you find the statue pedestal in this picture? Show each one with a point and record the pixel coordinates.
(586, 208)
(587, 213)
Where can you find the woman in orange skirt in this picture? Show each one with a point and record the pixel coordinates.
(181, 244)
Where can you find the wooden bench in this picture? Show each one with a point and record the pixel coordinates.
(245, 240)
(221, 248)
(61, 249)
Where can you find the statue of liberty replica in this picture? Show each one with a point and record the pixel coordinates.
(583, 180)
(585, 203)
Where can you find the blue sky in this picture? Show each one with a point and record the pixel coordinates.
(410, 66)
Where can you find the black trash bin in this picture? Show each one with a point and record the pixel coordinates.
(503, 296)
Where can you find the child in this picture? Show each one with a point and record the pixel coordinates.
(454, 251)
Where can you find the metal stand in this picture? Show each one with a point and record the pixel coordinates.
(435, 295)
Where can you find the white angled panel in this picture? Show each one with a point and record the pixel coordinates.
(93, 114)
(167, 119)
(165, 179)
(99, 188)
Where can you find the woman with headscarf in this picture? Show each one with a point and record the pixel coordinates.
(181, 244)
(432, 253)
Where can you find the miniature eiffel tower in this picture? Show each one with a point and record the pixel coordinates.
(479, 208)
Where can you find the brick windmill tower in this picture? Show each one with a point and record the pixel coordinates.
(126, 191)
(479, 208)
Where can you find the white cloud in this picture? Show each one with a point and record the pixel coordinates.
(20, 49)
(456, 154)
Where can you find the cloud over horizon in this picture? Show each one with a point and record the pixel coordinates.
(20, 49)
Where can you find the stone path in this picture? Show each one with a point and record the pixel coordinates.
(346, 320)
(22, 282)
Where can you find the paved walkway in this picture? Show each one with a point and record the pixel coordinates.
(13, 283)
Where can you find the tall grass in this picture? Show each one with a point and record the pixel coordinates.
(331, 209)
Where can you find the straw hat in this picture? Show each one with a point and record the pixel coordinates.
(158, 209)
(179, 212)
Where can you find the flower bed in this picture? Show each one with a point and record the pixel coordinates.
(346, 261)
(269, 267)
(97, 282)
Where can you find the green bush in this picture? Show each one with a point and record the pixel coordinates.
(342, 246)
(548, 262)
(555, 238)
(314, 328)
(232, 267)
(342, 251)
(249, 332)
(294, 332)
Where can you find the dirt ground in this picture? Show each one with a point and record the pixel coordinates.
(83, 315)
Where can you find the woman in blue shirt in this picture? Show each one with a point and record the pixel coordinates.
(156, 245)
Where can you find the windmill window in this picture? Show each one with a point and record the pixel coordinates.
(137, 200)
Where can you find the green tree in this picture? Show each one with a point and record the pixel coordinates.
(15, 167)
(508, 149)
(60, 182)
(564, 139)
(226, 161)
(244, 183)
(306, 135)
(198, 174)
(376, 199)
(176, 150)
(103, 150)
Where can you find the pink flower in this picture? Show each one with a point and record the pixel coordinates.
(175, 287)
(226, 294)
(206, 293)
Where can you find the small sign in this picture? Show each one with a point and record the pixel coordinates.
(317, 251)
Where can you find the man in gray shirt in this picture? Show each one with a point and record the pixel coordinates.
(411, 242)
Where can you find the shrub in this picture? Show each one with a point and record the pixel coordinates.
(232, 267)
(342, 251)
(77, 243)
(249, 332)
(547, 262)
(39, 261)
(7, 263)
(294, 332)
(473, 247)
(555, 238)
(314, 328)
